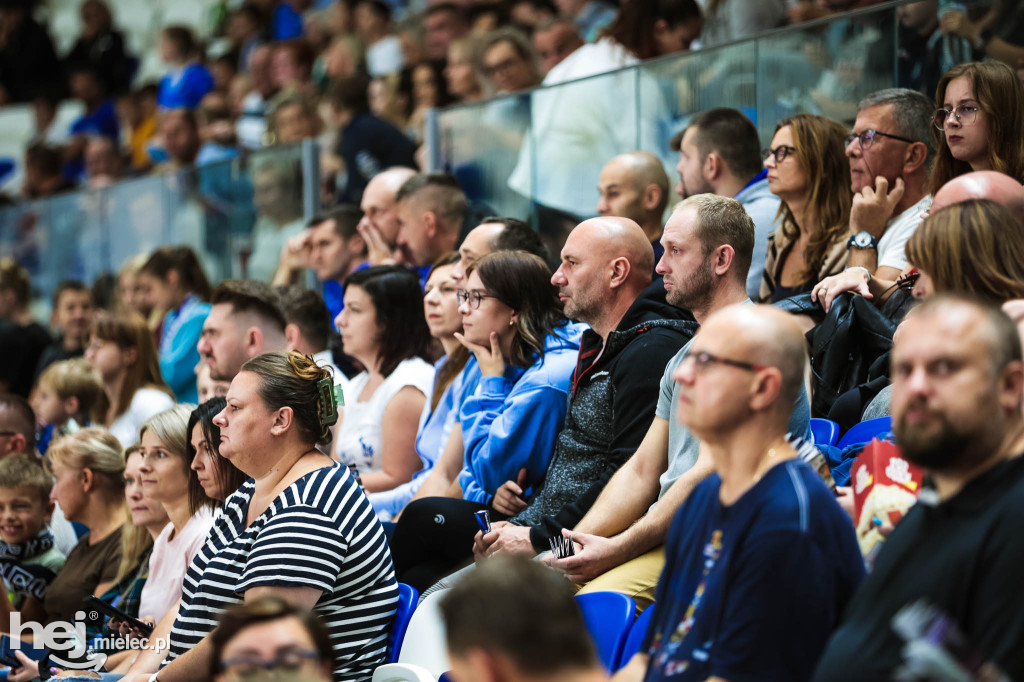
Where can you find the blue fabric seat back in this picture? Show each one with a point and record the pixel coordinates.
(865, 431)
(609, 616)
(824, 431)
(407, 598)
(636, 636)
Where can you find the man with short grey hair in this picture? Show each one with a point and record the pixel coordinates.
(890, 150)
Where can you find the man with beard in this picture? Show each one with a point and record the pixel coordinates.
(708, 241)
(245, 320)
(957, 382)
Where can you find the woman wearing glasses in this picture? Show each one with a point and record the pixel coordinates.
(383, 327)
(808, 170)
(526, 354)
(971, 136)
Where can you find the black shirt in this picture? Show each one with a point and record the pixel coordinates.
(20, 348)
(965, 556)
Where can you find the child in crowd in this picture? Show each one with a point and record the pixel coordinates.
(65, 395)
(208, 387)
(29, 561)
(73, 308)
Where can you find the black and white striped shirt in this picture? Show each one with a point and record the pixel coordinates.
(320, 532)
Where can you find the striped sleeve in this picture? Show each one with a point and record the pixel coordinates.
(299, 547)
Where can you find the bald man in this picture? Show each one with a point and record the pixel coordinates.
(603, 280)
(635, 186)
(750, 539)
(379, 226)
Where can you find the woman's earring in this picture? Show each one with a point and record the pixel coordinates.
(511, 323)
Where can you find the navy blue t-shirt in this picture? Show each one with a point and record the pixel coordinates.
(752, 591)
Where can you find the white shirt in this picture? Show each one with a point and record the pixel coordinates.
(892, 245)
(359, 435)
(384, 57)
(145, 403)
(325, 359)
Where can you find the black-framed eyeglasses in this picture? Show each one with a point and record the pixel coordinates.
(472, 297)
(702, 360)
(868, 137)
(247, 666)
(963, 113)
(780, 153)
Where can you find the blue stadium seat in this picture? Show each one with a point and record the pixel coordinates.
(636, 636)
(865, 431)
(608, 616)
(407, 598)
(824, 431)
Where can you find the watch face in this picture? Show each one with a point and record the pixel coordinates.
(862, 240)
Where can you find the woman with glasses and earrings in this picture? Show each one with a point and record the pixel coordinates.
(979, 122)
(383, 327)
(808, 170)
(526, 352)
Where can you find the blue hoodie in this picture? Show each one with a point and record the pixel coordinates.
(512, 422)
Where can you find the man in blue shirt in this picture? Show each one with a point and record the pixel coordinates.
(761, 560)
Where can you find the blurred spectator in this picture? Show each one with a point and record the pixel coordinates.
(44, 115)
(383, 50)
(809, 171)
(1004, 43)
(554, 41)
(464, 83)
(429, 90)
(924, 52)
(104, 164)
(367, 144)
(485, 17)
(635, 186)
(286, 22)
(379, 226)
(44, 172)
(100, 45)
(530, 14)
(343, 57)
(430, 215)
(180, 132)
(252, 124)
(245, 32)
(99, 119)
(223, 69)
(188, 80)
(411, 36)
(443, 23)
(507, 59)
(277, 195)
(71, 319)
(590, 16)
(216, 130)
(136, 112)
(729, 20)
(28, 62)
(22, 339)
(292, 66)
(293, 118)
(387, 102)
(133, 296)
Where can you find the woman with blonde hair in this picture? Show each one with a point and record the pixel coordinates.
(974, 247)
(808, 170)
(123, 351)
(978, 122)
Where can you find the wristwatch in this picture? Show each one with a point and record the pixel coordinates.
(862, 240)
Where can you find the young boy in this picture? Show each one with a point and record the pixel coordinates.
(63, 398)
(29, 561)
(73, 309)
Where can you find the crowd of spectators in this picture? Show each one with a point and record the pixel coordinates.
(251, 466)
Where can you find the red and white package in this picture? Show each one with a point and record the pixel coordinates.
(885, 486)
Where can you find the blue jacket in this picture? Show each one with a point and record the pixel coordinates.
(512, 422)
(178, 353)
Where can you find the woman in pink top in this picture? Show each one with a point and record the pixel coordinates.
(165, 472)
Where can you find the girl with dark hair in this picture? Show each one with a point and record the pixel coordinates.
(526, 355)
(383, 327)
(177, 284)
(122, 351)
(211, 477)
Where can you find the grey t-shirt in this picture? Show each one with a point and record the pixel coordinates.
(682, 445)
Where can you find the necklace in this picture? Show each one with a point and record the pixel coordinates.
(766, 462)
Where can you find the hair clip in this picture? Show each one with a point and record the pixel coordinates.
(328, 402)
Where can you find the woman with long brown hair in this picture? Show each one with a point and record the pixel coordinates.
(809, 171)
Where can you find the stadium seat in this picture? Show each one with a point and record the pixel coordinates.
(407, 598)
(424, 644)
(608, 616)
(636, 636)
(402, 672)
(824, 431)
(865, 431)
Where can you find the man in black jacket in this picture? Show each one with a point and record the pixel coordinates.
(605, 281)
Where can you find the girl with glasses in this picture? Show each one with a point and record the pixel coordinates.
(808, 170)
(970, 136)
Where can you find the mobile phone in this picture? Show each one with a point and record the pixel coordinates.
(93, 603)
(8, 658)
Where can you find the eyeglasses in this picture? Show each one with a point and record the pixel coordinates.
(702, 360)
(964, 114)
(868, 137)
(780, 153)
(472, 297)
(504, 65)
(249, 666)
